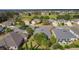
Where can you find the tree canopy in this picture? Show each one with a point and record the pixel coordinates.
(41, 39)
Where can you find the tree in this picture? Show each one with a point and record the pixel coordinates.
(44, 17)
(29, 30)
(24, 27)
(41, 39)
(60, 17)
(11, 14)
(76, 16)
(29, 14)
(19, 23)
(66, 46)
(49, 13)
(3, 17)
(53, 40)
(61, 24)
(8, 30)
(67, 17)
(36, 17)
(41, 17)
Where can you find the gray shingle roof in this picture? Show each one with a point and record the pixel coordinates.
(76, 20)
(75, 29)
(12, 40)
(44, 29)
(63, 34)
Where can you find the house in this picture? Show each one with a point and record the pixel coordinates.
(55, 23)
(68, 23)
(12, 41)
(64, 35)
(76, 21)
(60, 21)
(51, 21)
(26, 21)
(75, 29)
(44, 13)
(35, 21)
(7, 23)
(45, 29)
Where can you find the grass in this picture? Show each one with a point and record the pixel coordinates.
(76, 42)
(53, 16)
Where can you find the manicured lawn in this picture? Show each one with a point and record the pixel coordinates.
(53, 16)
(76, 42)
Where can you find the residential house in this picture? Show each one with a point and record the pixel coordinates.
(12, 41)
(64, 35)
(7, 23)
(55, 23)
(45, 29)
(51, 20)
(68, 23)
(75, 29)
(76, 21)
(35, 21)
(26, 21)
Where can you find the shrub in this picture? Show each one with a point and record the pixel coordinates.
(53, 40)
(8, 30)
(57, 46)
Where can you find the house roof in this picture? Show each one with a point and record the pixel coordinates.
(44, 29)
(12, 39)
(36, 20)
(63, 34)
(75, 29)
(51, 20)
(76, 20)
(8, 22)
(61, 20)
